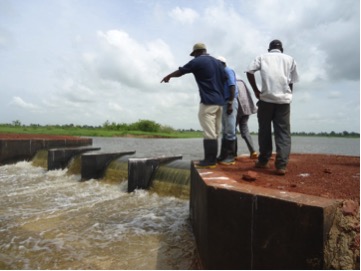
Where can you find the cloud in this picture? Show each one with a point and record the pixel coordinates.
(6, 39)
(334, 94)
(104, 61)
(128, 62)
(17, 101)
(184, 15)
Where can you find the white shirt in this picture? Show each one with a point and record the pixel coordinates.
(277, 70)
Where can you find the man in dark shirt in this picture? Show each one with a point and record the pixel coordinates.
(210, 77)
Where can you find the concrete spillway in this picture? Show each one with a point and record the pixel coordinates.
(236, 225)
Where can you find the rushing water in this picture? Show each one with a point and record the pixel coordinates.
(50, 220)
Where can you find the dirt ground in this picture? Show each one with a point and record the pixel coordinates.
(329, 176)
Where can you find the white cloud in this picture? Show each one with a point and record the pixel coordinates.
(17, 101)
(5, 38)
(91, 62)
(184, 15)
(126, 61)
(335, 94)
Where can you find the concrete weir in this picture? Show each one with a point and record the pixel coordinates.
(13, 150)
(94, 164)
(241, 226)
(236, 225)
(141, 170)
(60, 157)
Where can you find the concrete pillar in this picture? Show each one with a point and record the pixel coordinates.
(141, 170)
(93, 165)
(59, 158)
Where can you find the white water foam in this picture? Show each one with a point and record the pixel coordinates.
(51, 220)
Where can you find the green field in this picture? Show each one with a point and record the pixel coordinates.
(141, 128)
(95, 131)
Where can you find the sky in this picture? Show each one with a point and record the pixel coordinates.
(85, 62)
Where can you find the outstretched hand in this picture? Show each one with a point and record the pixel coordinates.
(165, 79)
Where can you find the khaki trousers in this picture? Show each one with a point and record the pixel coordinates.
(210, 119)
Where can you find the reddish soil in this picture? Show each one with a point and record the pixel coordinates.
(329, 176)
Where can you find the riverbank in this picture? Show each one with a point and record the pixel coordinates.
(88, 131)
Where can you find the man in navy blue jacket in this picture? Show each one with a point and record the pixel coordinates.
(210, 77)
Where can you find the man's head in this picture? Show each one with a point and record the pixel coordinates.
(223, 60)
(275, 44)
(198, 49)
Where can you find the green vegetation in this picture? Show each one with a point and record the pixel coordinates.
(332, 134)
(141, 128)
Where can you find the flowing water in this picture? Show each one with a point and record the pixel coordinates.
(51, 220)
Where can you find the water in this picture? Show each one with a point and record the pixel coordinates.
(192, 149)
(50, 220)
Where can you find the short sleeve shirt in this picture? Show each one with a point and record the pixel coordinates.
(277, 70)
(210, 76)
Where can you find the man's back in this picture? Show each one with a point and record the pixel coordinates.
(277, 71)
(209, 74)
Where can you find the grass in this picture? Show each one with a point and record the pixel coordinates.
(94, 132)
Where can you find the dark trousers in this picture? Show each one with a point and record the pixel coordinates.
(243, 128)
(279, 116)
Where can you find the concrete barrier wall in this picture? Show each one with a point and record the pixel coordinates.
(12, 151)
(250, 227)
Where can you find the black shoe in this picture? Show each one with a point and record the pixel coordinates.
(258, 164)
(281, 171)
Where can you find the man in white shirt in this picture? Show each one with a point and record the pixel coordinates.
(278, 73)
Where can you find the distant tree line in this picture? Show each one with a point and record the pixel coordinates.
(140, 125)
(152, 126)
(331, 134)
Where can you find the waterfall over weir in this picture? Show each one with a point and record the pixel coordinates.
(51, 219)
(172, 179)
(167, 178)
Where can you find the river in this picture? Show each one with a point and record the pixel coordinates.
(50, 220)
(192, 148)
